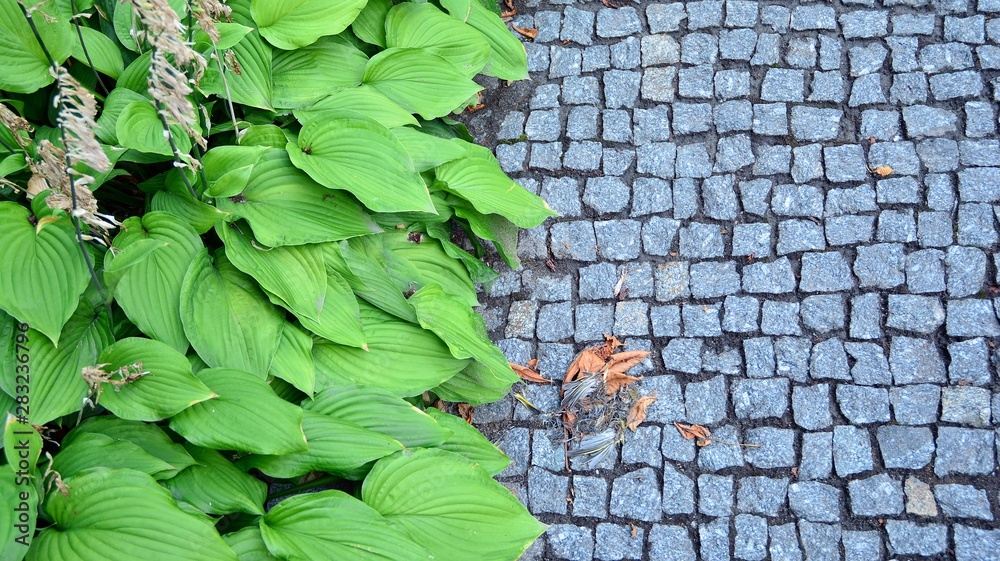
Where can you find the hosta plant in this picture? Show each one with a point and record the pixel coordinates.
(240, 245)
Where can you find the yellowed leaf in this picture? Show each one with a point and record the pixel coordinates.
(637, 413)
(700, 434)
(530, 33)
(614, 381)
(529, 375)
(882, 171)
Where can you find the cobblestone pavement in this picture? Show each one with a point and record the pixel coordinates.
(727, 158)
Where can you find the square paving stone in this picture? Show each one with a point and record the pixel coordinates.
(760, 398)
(615, 542)
(963, 501)
(852, 452)
(715, 495)
(590, 496)
(811, 406)
(571, 542)
(876, 496)
(777, 447)
(964, 451)
(678, 491)
(966, 405)
(636, 495)
(909, 538)
(814, 501)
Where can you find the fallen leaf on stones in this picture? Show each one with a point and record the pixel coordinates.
(529, 33)
(532, 364)
(465, 411)
(586, 362)
(524, 401)
(622, 362)
(614, 381)
(701, 435)
(634, 529)
(637, 414)
(529, 375)
(621, 282)
(608, 348)
(882, 171)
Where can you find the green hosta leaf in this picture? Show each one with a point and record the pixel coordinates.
(335, 446)
(139, 128)
(427, 151)
(56, 387)
(432, 264)
(476, 385)
(126, 27)
(296, 273)
(103, 52)
(368, 275)
(493, 227)
(22, 445)
(42, 271)
(246, 417)
(229, 35)
(25, 64)
(362, 157)
(148, 437)
(509, 60)
(136, 75)
(478, 179)
(293, 360)
(292, 24)
(228, 168)
(470, 443)
(97, 450)
(450, 505)
(333, 526)
(150, 291)
(17, 521)
(402, 358)
(216, 486)
(420, 81)
(279, 194)
(227, 318)
(269, 136)
(363, 101)
(249, 545)
(426, 26)
(110, 515)
(246, 77)
(303, 76)
(200, 216)
(167, 389)
(369, 26)
(381, 411)
(459, 326)
(340, 320)
(479, 272)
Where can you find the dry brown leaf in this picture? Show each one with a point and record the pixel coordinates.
(529, 375)
(702, 436)
(614, 381)
(586, 361)
(882, 171)
(532, 364)
(635, 530)
(530, 33)
(637, 413)
(622, 362)
(608, 348)
(465, 411)
(569, 419)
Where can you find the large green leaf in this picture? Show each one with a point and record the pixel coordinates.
(476, 385)
(100, 49)
(136, 75)
(368, 275)
(333, 526)
(249, 545)
(427, 151)
(450, 505)
(302, 76)
(470, 443)
(432, 265)
(168, 387)
(113, 515)
(426, 26)
(460, 327)
(363, 100)
(97, 450)
(42, 270)
(150, 291)
(246, 73)
(25, 63)
(139, 127)
(279, 194)
(369, 26)
(148, 437)
(509, 60)
(502, 232)
(200, 216)
(340, 320)
(227, 318)
(246, 417)
(293, 360)
(364, 158)
(478, 179)
(127, 28)
(56, 387)
(295, 273)
(17, 521)
(479, 272)
(402, 358)
(292, 24)
(22, 445)
(228, 168)
(381, 411)
(216, 486)
(335, 446)
(420, 81)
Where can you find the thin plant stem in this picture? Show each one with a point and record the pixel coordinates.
(86, 53)
(175, 150)
(72, 185)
